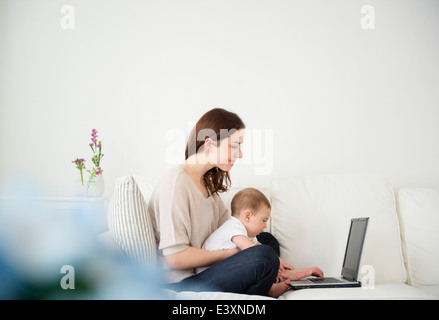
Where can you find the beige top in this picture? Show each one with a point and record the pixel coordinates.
(182, 216)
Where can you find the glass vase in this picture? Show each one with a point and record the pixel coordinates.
(96, 186)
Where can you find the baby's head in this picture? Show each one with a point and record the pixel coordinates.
(253, 209)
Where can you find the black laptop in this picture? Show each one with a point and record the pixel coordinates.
(351, 262)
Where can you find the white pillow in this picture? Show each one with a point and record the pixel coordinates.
(311, 219)
(419, 218)
(129, 222)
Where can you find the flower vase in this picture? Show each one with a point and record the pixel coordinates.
(100, 185)
(96, 186)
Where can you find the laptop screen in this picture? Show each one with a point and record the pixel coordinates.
(354, 247)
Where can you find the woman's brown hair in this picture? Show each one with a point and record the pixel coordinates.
(216, 124)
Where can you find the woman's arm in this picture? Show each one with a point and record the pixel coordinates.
(195, 258)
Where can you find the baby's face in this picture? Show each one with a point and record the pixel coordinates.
(258, 221)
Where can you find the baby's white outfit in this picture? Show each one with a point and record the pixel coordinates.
(221, 238)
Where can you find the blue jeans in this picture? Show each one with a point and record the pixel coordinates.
(251, 271)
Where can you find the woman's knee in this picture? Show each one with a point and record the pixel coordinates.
(268, 239)
(265, 254)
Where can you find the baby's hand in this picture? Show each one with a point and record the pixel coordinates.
(283, 266)
(280, 277)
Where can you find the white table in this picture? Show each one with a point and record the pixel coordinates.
(94, 208)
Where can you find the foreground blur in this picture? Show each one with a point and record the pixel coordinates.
(48, 255)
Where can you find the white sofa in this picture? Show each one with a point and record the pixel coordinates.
(310, 218)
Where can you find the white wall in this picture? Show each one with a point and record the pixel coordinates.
(327, 95)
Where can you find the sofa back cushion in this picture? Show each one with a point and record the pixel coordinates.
(311, 219)
(129, 223)
(419, 218)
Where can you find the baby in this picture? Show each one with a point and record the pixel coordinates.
(250, 213)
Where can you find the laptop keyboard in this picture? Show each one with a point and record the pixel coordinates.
(325, 280)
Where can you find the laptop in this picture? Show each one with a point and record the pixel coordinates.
(351, 262)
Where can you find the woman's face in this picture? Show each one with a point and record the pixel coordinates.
(225, 154)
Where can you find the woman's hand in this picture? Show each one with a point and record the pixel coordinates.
(283, 268)
(230, 252)
(298, 274)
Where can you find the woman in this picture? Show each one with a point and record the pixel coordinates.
(186, 209)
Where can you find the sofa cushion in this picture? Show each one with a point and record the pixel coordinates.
(128, 220)
(311, 219)
(381, 291)
(431, 290)
(419, 217)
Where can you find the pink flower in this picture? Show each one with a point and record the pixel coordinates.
(96, 147)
